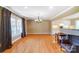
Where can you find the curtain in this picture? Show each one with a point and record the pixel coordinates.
(0, 28)
(5, 29)
(23, 28)
(16, 26)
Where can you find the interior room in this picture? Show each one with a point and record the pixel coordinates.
(39, 29)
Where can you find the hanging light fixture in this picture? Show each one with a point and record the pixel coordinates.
(38, 20)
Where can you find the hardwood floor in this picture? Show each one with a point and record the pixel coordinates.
(35, 44)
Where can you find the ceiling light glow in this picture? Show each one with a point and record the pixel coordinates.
(51, 7)
(25, 7)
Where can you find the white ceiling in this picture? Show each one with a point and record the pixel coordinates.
(73, 16)
(43, 12)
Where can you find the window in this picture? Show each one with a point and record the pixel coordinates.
(13, 26)
(77, 24)
(16, 26)
(19, 26)
(65, 24)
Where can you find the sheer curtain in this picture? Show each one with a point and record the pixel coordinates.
(16, 26)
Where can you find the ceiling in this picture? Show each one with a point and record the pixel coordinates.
(44, 12)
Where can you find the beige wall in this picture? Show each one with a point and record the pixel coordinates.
(38, 28)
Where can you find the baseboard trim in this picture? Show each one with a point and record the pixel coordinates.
(38, 33)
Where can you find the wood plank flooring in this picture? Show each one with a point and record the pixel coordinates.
(35, 44)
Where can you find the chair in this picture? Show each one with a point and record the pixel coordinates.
(66, 43)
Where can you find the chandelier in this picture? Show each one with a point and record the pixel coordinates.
(38, 20)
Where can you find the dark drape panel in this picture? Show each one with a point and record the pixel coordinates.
(5, 29)
(23, 28)
(0, 29)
